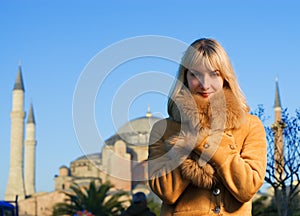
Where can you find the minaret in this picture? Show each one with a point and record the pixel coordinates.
(277, 103)
(278, 127)
(15, 184)
(30, 145)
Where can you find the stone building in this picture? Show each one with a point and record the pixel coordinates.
(122, 160)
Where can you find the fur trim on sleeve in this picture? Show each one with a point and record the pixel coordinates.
(192, 167)
(201, 176)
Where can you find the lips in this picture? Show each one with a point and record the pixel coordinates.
(204, 94)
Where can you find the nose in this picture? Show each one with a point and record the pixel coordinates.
(204, 82)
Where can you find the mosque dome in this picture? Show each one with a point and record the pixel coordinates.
(138, 126)
(136, 131)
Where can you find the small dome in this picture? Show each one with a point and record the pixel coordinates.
(63, 167)
(64, 171)
(92, 157)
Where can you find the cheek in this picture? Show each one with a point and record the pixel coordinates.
(192, 83)
(218, 83)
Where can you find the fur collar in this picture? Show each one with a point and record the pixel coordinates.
(199, 117)
(220, 112)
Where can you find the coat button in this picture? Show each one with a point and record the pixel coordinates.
(217, 209)
(232, 147)
(206, 145)
(216, 191)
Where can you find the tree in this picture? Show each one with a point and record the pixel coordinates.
(98, 200)
(283, 165)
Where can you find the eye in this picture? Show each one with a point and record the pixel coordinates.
(191, 73)
(215, 73)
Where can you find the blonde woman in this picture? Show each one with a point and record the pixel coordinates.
(209, 156)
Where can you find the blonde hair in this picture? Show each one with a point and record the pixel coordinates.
(211, 54)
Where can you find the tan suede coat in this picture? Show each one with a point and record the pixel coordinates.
(208, 159)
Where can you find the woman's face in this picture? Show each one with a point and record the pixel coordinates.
(204, 81)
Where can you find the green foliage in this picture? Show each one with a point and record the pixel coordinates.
(97, 200)
(154, 206)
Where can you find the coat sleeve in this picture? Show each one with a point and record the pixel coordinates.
(165, 177)
(241, 171)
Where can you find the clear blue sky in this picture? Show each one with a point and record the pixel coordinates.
(55, 40)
